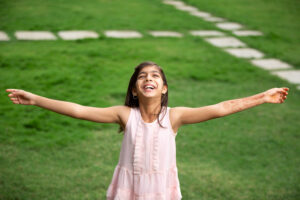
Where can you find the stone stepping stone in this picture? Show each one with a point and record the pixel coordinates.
(245, 52)
(247, 33)
(225, 42)
(205, 33)
(186, 8)
(165, 34)
(298, 87)
(174, 3)
(270, 64)
(123, 34)
(77, 35)
(213, 19)
(200, 14)
(3, 36)
(229, 25)
(35, 35)
(292, 76)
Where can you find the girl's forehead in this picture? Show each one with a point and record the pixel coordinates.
(150, 69)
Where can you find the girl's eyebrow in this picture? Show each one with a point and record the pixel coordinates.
(150, 72)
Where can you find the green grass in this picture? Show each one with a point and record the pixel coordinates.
(249, 155)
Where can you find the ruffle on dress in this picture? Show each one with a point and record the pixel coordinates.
(156, 185)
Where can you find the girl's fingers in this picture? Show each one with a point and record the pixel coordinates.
(11, 90)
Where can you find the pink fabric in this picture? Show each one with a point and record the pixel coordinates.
(147, 165)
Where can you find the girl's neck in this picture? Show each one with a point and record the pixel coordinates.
(149, 110)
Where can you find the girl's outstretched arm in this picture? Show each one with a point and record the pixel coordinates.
(102, 115)
(183, 115)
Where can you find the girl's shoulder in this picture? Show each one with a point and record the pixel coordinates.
(174, 115)
(123, 114)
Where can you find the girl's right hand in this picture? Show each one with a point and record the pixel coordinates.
(21, 97)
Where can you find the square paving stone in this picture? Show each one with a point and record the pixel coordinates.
(225, 42)
(123, 34)
(165, 34)
(247, 33)
(35, 35)
(292, 76)
(200, 14)
(76, 35)
(205, 33)
(270, 64)
(186, 8)
(3, 36)
(174, 3)
(245, 52)
(229, 25)
(213, 19)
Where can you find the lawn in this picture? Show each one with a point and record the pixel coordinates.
(249, 155)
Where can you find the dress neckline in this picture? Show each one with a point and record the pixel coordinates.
(142, 120)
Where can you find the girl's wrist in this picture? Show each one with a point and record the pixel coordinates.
(264, 97)
(35, 100)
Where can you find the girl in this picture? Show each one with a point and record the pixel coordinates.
(147, 163)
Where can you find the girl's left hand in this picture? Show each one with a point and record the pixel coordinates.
(276, 95)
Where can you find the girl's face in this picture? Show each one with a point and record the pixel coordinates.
(149, 83)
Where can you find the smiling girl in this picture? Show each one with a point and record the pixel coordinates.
(147, 164)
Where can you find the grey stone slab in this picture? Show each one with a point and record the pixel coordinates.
(3, 36)
(205, 33)
(214, 19)
(270, 64)
(174, 3)
(245, 52)
(123, 34)
(200, 14)
(247, 33)
(35, 35)
(298, 87)
(186, 8)
(165, 34)
(292, 76)
(77, 35)
(229, 25)
(225, 42)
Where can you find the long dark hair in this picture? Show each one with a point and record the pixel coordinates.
(134, 102)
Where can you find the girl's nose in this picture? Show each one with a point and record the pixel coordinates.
(148, 78)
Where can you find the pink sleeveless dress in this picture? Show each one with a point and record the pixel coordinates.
(147, 165)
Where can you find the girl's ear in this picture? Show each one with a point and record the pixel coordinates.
(165, 89)
(134, 92)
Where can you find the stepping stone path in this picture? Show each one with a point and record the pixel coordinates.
(213, 19)
(245, 53)
(292, 76)
(3, 36)
(205, 33)
(229, 26)
(123, 34)
(35, 35)
(200, 14)
(186, 8)
(225, 42)
(270, 64)
(165, 34)
(77, 35)
(174, 3)
(247, 33)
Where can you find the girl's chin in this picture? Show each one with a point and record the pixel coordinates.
(150, 95)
